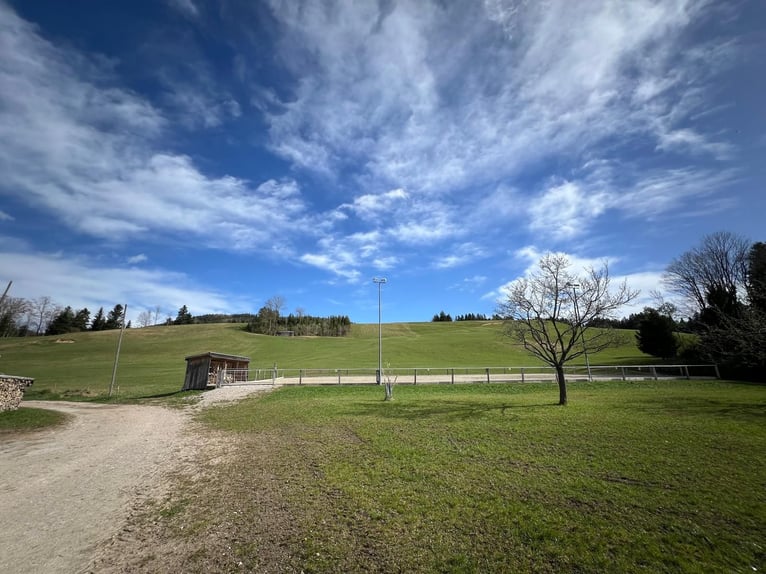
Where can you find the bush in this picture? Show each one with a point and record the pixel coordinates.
(656, 335)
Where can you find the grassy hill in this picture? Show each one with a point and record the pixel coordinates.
(79, 365)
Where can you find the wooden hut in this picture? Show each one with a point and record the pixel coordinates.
(213, 369)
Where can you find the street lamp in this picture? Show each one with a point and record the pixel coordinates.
(574, 287)
(379, 281)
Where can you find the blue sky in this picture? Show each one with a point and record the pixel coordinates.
(215, 154)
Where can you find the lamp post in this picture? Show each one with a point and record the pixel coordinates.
(574, 287)
(380, 281)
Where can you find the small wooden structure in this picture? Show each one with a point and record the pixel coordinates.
(209, 369)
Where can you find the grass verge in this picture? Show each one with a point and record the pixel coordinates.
(27, 419)
(630, 477)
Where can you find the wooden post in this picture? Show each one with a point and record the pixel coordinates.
(622, 369)
(522, 374)
(654, 372)
(487, 374)
(452, 370)
(5, 292)
(686, 372)
(415, 376)
(117, 353)
(300, 376)
(717, 372)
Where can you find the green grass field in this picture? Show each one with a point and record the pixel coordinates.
(26, 419)
(152, 360)
(630, 477)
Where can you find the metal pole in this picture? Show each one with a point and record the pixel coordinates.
(574, 287)
(117, 354)
(5, 292)
(380, 281)
(380, 337)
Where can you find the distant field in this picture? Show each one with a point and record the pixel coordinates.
(630, 477)
(79, 365)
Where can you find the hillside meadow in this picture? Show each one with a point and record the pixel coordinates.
(79, 365)
(650, 476)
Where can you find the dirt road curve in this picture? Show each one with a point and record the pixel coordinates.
(64, 491)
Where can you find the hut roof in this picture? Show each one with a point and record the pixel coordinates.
(222, 356)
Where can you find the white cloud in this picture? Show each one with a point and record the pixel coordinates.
(688, 140)
(371, 206)
(526, 82)
(531, 255)
(444, 137)
(82, 283)
(185, 7)
(198, 108)
(81, 148)
(657, 193)
(470, 284)
(140, 258)
(461, 254)
(343, 267)
(643, 281)
(5, 217)
(564, 211)
(385, 263)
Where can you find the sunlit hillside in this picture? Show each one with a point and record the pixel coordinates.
(152, 359)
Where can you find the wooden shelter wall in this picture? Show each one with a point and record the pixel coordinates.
(197, 374)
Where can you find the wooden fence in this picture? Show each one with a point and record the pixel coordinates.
(460, 375)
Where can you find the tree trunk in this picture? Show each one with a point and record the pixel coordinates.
(562, 384)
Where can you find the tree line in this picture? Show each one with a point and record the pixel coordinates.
(270, 321)
(558, 316)
(722, 284)
(21, 317)
(446, 317)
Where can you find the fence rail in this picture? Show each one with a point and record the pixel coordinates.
(460, 375)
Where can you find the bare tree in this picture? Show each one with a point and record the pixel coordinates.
(157, 313)
(12, 309)
(144, 319)
(389, 382)
(718, 266)
(549, 318)
(663, 307)
(274, 305)
(42, 311)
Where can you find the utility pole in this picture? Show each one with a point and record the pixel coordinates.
(574, 287)
(117, 354)
(5, 293)
(380, 281)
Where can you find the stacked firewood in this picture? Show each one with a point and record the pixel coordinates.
(11, 391)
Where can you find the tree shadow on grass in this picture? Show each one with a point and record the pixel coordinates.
(692, 406)
(168, 394)
(85, 396)
(445, 410)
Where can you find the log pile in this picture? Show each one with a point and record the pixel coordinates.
(12, 390)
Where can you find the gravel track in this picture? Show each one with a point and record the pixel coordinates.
(66, 491)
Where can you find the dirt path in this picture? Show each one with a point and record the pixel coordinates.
(65, 491)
